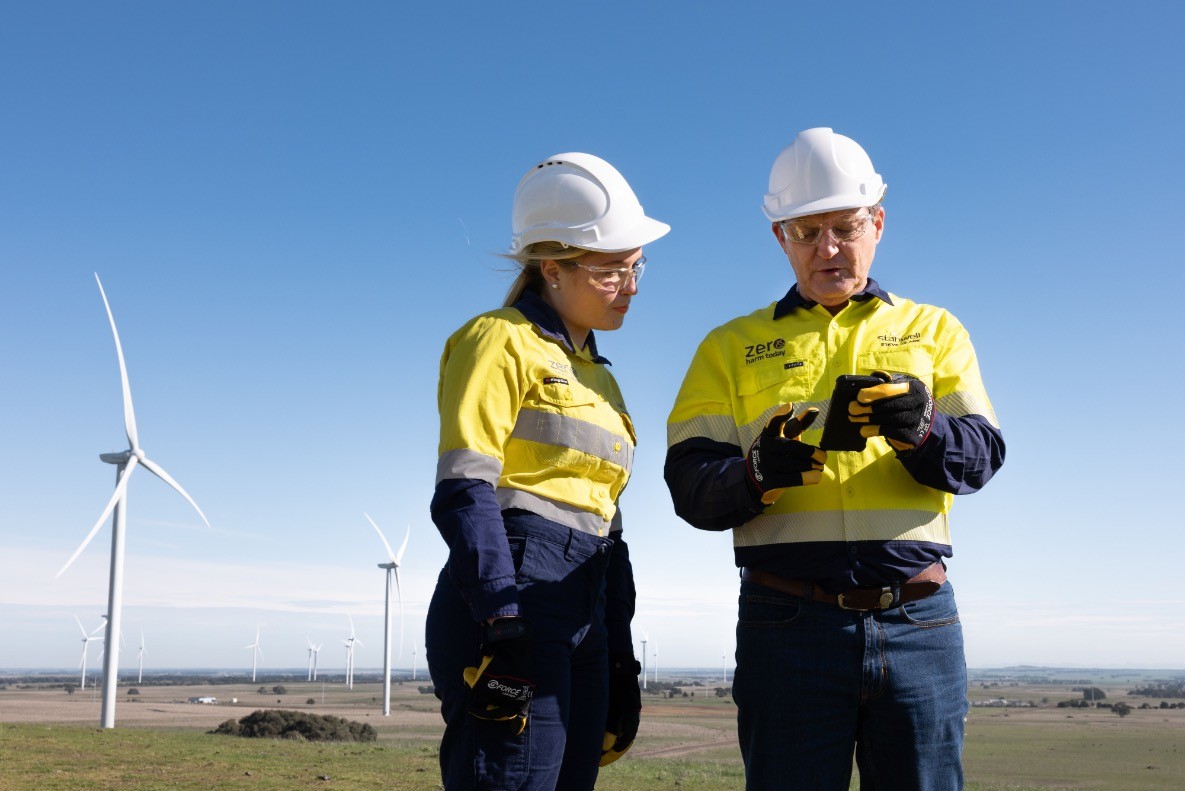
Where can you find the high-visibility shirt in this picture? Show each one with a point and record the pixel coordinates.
(526, 422)
(878, 516)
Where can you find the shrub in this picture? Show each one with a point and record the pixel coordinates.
(133, 691)
(310, 702)
(279, 689)
(283, 724)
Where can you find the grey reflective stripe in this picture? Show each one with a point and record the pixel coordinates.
(567, 515)
(871, 525)
(465, 463)
(549, 428)
(963, 404)
(720, 428)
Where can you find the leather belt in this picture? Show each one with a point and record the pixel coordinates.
(914, 588)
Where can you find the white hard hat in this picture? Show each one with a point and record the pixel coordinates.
(581, 201)
(821, 172)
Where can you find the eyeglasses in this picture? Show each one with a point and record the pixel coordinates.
(848, 229)
(614, 277)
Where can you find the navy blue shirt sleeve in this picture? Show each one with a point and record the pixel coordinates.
(707, 483)
(960, 455)
(479, 562)
(619, 597)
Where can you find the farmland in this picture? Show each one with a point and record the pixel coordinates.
(50, 740)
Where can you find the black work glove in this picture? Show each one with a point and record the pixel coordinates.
(901, 410)
(777, 460)
(625, 707)
(500, 686)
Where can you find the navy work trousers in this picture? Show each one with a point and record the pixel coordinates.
(815, 683)
(560, 576)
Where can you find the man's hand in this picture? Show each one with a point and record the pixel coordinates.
(901, 410)
(500, 686)
(625, 707)
(777, 460)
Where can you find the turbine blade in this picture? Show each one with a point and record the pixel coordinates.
(120, 488)
(159, 472)
(129, 416)
(81, 628)
(403, 547)
(390, 554)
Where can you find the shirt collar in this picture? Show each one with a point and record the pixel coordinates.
(794, 299)
(550, 325)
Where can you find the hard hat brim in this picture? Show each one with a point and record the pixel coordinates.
(647, 230)
(824, 205)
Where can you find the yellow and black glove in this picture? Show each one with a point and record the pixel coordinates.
(500, 685)
(625, 707)
(777, 460)
(901, 410)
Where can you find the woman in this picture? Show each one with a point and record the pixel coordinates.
(528, 632)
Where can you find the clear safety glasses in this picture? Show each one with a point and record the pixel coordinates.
(804, 231)
(614, 278)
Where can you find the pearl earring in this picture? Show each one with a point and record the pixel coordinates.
(555, 285)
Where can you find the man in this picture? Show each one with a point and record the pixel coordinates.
(848, 638)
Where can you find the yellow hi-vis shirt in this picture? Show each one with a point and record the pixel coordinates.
(547, 427)
(746, 368)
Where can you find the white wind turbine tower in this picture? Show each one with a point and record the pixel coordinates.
(645, 638)
(312, 651)
(316, 651)
(655, 661)
(125, 462)
(87, 637)
(392, 570)
(256, 653)
(413, 659)
(350, 642)
(140, 657)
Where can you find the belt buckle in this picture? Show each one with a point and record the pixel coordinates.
(886, 599)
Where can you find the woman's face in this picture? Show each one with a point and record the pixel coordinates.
(582, 298)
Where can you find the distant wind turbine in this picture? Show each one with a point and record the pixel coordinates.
(413, 659)
(312, 650)
(655, 661)
(125, 462)
(350, 642)
(256, 654)
(140, 657)
(645, 638)
(392, 570)
(87, 637)
(316, 651)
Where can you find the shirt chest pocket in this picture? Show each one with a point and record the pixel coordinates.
(780, 382)
(915, 362)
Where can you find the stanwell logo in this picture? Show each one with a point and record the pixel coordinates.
(889, 339)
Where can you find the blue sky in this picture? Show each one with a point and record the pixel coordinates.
(292, 204)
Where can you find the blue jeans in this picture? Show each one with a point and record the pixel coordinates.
(560, 576)
(815, 683)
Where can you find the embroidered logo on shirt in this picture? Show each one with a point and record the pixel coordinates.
(554, 380)
(793, 364)
(889, 339)
(763, 351)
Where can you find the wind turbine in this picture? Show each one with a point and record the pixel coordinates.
(140, 657)
(349, 643)
(316, 650)
(392, 569)
(413, 659)
(125, 462)
(655, 661)
(256, 653)
(645, 637)
(86, 644)
(312, 648)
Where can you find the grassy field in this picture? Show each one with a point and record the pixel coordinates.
(50, 741)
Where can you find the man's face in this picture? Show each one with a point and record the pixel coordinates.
(831, 271)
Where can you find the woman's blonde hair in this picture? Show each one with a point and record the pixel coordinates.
(529, 260)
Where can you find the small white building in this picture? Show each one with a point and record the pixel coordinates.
(207, 700)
